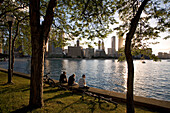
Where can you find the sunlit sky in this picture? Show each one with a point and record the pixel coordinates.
(162, 46)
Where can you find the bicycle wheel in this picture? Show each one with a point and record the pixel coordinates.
(51, 83)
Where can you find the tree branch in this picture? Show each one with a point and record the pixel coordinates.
(17, 30)
(3, 13)
(86, 5)
(48, 19)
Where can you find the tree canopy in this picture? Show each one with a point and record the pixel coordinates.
(153, 21)
(20, 27)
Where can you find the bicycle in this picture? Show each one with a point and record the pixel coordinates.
(48, 80)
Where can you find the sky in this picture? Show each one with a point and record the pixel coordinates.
(162, 46)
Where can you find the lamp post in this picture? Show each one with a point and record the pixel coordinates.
(10, 18)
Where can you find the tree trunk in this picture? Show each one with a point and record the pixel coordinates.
(39, 37)
(9, 65)
(130, 80)
(37, 71)
(37, 61)
(13, 42)
(13, 57)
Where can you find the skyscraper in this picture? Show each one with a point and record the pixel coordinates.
(120, 45)
(103, 45)
(78, 43)
(113, 43)
(99, 44)
(52, 50)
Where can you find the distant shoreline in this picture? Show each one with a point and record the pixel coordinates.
(92, 58)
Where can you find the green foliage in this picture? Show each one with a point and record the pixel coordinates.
(20, 28)
(167, 37)
(154, 20)
(88, 19)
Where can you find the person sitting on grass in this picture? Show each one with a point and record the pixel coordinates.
(63, 78)
(71, 80)
(82, 82)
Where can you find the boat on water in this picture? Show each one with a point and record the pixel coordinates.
(143, 62)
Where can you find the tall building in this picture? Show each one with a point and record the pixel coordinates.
(113, 43)
(78, 43)
(160, 55)
(89, 52)
(75, 51)
(51, 49)
(103, 48)
(100, 53)
(112, 50)
(120, 45)
(99, 44)
(163, 55)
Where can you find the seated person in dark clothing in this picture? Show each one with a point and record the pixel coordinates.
(71, 80)
(63, 78)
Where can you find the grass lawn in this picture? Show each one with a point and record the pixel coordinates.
(15, 98)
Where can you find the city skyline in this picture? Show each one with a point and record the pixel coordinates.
(162, 46)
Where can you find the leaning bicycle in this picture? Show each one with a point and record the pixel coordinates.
(48, 80)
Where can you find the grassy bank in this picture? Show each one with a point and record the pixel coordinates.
(15, 98)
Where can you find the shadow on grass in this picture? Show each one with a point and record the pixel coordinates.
(76, 102)
(24, 109)
(104, 106)
(26, 89)
(65, 94)
(53, 90)
(6, 84)
(107, 107)
(12, 88)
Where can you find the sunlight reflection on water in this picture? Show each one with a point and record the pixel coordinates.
(152, 79)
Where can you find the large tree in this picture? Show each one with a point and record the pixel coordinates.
(79, 18)
(137, 17)
(39, 37)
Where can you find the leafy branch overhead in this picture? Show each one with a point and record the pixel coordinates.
(84, 18)
(88, 19)
(153, 21)
(20, 27)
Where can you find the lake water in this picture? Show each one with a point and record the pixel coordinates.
(152, 79)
